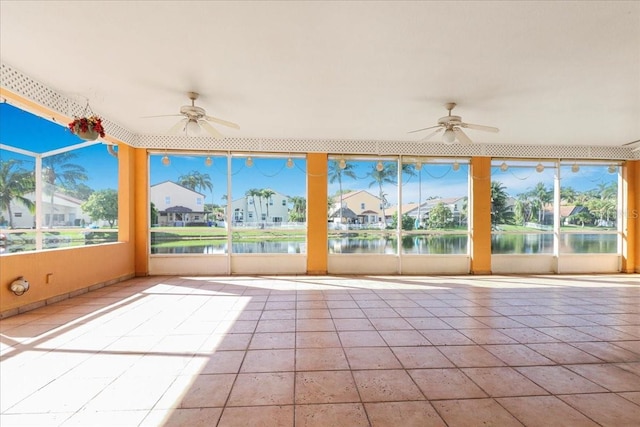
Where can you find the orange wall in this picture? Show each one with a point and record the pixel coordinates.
(140, 211)
(481, 215)
(631, 182)
(73, 269)
(317, 253)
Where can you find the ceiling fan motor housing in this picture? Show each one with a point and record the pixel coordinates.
(450, 121)
(192, 112)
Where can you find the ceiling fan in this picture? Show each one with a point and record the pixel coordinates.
(195, 119)
(452, 127)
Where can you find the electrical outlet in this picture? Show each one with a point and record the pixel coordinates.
(49, 278)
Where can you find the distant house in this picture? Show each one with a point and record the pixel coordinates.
(66, 212)
(421, 212)
(177, 205)
(256, 209)
(366, 207)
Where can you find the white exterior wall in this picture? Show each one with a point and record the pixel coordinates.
(64, 205)
(278, 208)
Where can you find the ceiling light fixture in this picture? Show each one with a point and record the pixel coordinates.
(192, 128)
(575, 168)
(612, 169)
(208, 162)
(342, 164)
(449, 137)
(455, 166)
(539, 167)
(165, 160)
(249, 162)
(379, 166)
(418, 164)
(504, 167)
(289, 163)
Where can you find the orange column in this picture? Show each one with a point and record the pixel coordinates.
(317, 254)
(631, 228)
(141, 208)
(480, 215)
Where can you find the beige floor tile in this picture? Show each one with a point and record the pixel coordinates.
(610, 377)
(353, 325)
(405, 414)
(474, 412)
(317, 313)
(277, 360)
(220, 362)
(607, 352)
(559, 380)
(315, 325)
(563, 353)
(336, 414)
(317, 340)
(272, 340)
(609, 410)
(320, 359)
(445, 337)
(386, 386)
(107, 418)
(633, 396)
(538, 411)
(272, 388)
(325, 387)
(390, 323)
(421, 357)
(518, 355)
(470, 356)
(404, 338)
(361, 339)
(207, 391)
(437, 384)
(193, 417)
(503, 381)
(371, 358)
(257, 416)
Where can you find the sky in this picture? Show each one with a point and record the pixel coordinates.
(29, 132)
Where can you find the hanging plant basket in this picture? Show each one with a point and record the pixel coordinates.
(87, 128)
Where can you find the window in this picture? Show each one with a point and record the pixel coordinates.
(589, 208)
(359, 183)
(189, 193)
(270, 227)
(522, 207)
(433, 215)
(17, 215)
(79, 183)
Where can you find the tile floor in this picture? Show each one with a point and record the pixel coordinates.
(329, 351)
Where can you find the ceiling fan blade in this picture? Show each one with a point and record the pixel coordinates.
(162, 115)
(178, 126)
(420, 130)
(222, 122)
(210, 129)
(480, 127)
(462, 137)
(431, 135)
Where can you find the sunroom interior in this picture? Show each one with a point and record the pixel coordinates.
(554, 126)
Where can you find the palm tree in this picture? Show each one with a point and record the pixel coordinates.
(387, 175)
(543, 197)
(266, 195)
(336, 173)
(299, 210)
(253, 193)
(499, 210)
(58, 170)
(14, 184)
(196, 181)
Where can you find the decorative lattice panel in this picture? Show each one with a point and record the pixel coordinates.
(26, 87)
(22, 85)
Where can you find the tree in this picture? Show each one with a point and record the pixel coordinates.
(253, 193)
(58, 170)
(266, 195)
(298, 212)
(500, 213)
(15, 182)
(541, 197)
(388, 175)
(153, 214)
(197, 181)
(102, 205)
(336, 173)
(407, 221)
(440, 216)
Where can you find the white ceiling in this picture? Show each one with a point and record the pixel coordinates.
(545, 73)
